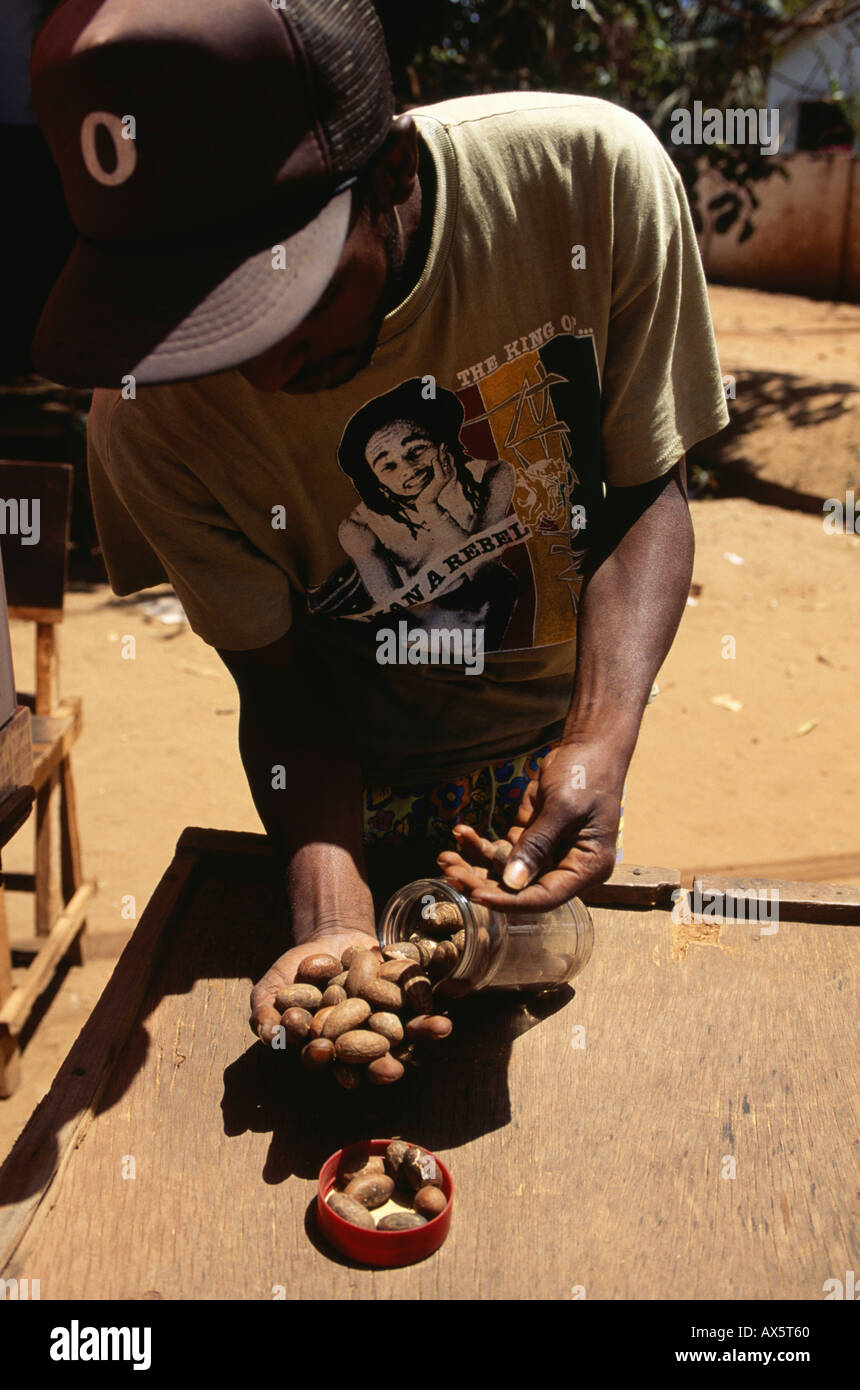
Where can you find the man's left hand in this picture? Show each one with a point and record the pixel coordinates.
(564, 837)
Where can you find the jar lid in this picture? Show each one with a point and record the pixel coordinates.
(384, 1249)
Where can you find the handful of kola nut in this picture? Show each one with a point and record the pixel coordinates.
(368, 1014)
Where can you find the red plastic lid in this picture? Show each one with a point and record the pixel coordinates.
(385, 1249)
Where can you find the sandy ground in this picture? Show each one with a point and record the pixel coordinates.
(769, 786)
(796, 413)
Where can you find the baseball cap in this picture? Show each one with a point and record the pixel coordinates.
(193, 140)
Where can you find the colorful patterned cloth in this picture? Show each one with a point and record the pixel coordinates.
(487, 799)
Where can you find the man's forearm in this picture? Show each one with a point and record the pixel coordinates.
(632, 601)
(311, 810)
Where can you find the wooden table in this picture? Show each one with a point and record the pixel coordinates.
(684, 1125)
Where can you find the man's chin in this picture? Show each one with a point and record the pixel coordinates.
(328, 378)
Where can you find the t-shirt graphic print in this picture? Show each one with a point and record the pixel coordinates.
(472, 506)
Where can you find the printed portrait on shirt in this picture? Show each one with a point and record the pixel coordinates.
(470, 505)
(432, 528)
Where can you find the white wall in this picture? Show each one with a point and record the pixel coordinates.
(801, 69)
(807, 230)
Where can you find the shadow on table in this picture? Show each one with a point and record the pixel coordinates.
(460, 1090)
(230, 925)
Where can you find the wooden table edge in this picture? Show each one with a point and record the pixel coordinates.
(47, 1139)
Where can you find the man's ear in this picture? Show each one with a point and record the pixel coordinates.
(395, 168)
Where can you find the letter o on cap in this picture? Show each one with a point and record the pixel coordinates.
(126, 150)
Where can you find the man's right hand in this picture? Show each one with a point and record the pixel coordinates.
(265, 1018)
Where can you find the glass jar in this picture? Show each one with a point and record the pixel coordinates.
(528, 951)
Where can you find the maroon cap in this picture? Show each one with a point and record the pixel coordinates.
(192, 139)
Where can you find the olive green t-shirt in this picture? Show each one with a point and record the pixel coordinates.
(558, 340)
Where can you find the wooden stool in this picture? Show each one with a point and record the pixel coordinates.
(35, 576)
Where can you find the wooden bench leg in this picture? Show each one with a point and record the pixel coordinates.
(46, 904)
(70, 853)
(10, 1068)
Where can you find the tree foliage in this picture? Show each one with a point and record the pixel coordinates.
(651, 57)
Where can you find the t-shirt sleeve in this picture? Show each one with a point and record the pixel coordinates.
(662, 384)
(156, 521)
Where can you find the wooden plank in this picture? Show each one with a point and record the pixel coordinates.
(10, 1067)
(62, 1117)
(55, 737)
(36, 615)
(16, 1010)
(45, 681)
(16, 753)
(240, 844)
(46, 898)
(635, 886)
(70, 842)
(792, 902)
(590, 1133)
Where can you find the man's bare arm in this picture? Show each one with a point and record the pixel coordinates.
(635, 590)
(288, 720)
